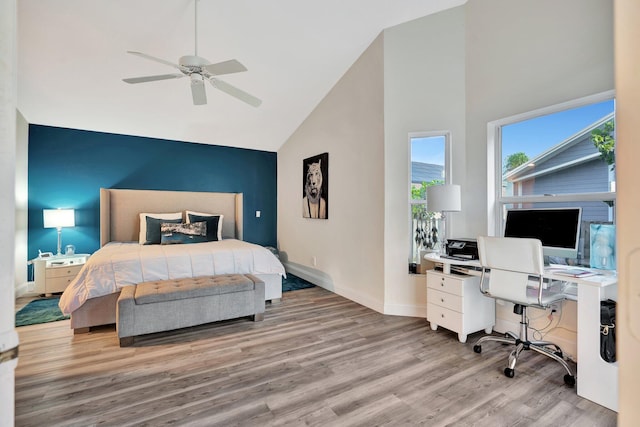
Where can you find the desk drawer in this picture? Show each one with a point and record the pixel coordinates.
(444, 283)
(67, 270)
(444, 299)
(444, 317)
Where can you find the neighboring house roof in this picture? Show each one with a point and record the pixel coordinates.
(544, 164)
(425, 172)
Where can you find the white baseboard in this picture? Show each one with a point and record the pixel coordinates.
(311, 275)
(325, 281)
(24, 288)
(406, 310)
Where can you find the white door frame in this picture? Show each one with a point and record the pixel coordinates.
(8, 103)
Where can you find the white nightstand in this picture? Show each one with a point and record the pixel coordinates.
(54, 273)
(456, 303)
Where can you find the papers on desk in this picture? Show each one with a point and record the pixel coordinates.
(569, 271)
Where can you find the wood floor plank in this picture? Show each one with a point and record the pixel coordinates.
(316, 359)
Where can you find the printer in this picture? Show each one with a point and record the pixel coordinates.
(462, 248)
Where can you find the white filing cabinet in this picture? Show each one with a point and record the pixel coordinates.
(455, 302)
(54, 273)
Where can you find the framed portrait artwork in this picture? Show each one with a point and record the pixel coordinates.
(315, 187)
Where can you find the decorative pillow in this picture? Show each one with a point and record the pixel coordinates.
(155, 233)
(171, 233)
(214, 223)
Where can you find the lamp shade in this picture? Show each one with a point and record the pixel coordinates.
(55, 218)
(443, 198)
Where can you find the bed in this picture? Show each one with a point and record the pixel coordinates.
(121, 261)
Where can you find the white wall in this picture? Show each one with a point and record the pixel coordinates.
(424, 86)
(520, 58)
(523, 55)
(349, 246)
(455, 70)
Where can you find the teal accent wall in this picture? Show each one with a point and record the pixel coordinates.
(67, 168)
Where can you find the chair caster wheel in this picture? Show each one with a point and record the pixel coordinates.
(570, 380)
(477, 348)
(508, 372)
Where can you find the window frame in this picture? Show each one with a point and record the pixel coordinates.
(447, 175)
(495, 200)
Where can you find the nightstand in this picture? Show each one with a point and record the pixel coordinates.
(54, 273)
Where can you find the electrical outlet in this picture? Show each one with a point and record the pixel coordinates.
(555, 307)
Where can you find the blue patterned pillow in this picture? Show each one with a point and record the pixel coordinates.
(172, 233)
(153, 229)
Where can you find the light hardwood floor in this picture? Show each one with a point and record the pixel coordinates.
(316, 359)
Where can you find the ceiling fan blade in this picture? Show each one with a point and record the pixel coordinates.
(153, 58)
(197, 90)
(226, 67)
(235, 92)
(152, 78)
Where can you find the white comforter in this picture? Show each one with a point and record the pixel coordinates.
(121, 264)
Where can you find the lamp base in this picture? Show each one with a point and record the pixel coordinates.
(59, 242)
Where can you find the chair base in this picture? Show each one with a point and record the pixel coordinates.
(545, 348)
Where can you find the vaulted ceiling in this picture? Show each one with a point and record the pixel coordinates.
(72, 59)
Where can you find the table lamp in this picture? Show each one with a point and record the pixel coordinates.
(58, 218)
(443, 198)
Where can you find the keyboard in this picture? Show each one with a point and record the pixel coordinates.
(570, 271)
(457, 258)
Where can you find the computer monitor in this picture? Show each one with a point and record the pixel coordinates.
(557, 228)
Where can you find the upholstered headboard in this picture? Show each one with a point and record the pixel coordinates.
(120, 209)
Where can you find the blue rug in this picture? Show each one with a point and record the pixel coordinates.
(46, 310)
(40, 311)
(293, 283)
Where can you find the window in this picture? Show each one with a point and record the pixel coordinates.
(561, 156)
(429, 166)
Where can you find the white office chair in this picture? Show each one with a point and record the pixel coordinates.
(513, 269)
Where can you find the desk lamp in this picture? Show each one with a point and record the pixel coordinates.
(58, 218)
(443, 198)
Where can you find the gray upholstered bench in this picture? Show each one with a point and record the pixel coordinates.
(165, 305)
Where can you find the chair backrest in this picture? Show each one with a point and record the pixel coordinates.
(511, 261)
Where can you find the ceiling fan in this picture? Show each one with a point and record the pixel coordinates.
(198, 70)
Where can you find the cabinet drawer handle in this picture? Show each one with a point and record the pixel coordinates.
(442, 315)
(441, 299)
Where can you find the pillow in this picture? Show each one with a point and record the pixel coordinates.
(214, 223)
(155, 233)
(172, 233)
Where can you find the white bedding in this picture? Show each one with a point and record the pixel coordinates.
(121, 264)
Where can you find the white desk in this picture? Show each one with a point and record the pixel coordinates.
(596, 379)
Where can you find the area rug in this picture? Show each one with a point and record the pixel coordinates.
(293, 283)
(42, 310)
(46, 310)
